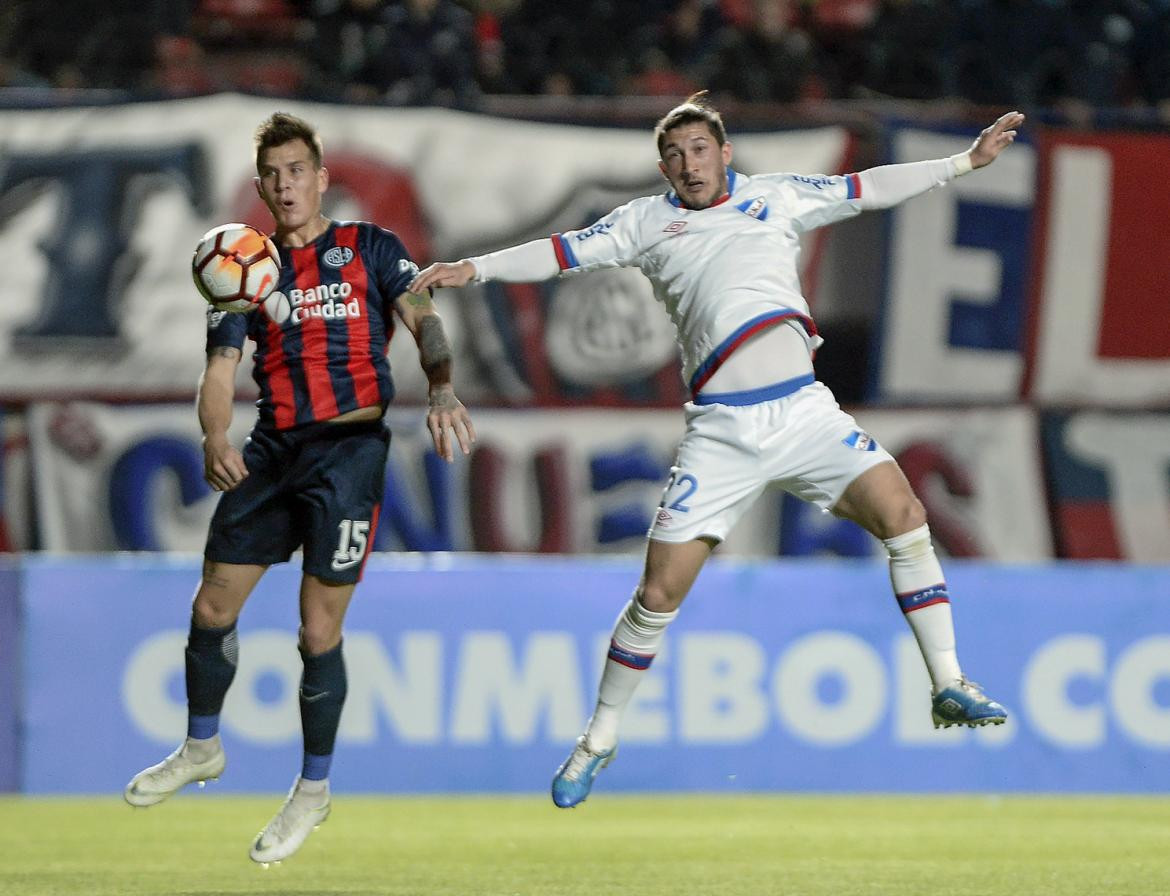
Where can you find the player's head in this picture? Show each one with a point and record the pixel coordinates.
(290, 173)
(693, 151)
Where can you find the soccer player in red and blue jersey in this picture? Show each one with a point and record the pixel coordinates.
(311, 474)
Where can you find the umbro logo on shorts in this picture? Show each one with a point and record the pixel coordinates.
(664, 519)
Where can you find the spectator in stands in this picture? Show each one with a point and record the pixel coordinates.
(68, 45)
(1098, 40)
(344, 35)
(491, 69)
(838, 32)
(768, 61)
(426, 55)
(910, 49)
(688, 35)
(1008, 51)
(587, 45)
(1152, 60)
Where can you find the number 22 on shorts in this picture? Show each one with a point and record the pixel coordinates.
(679, 491)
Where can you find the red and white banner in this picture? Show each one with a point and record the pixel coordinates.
(114, 477)
(103, 208)
(1102, 303)
(1044, 278)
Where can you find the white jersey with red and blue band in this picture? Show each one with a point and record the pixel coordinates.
(727, 274)
(724, 273)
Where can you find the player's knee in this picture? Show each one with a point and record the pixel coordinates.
(211, 613)
(319, 636)
(659, 597)
(904, 515)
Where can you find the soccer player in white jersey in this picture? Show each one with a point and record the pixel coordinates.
(720, 249)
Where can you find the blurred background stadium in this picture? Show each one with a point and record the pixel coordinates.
(1007, 338)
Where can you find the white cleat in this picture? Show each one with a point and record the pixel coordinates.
(153, 785)
(301, 814)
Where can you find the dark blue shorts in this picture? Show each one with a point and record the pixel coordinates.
(317, 487)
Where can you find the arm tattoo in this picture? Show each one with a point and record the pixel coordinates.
(418, 300)
(223, 351)
(434, 352)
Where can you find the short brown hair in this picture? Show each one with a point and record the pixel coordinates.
(280, 128)
(697, 108)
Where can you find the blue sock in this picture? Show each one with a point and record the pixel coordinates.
(323, 687)
(212, 654)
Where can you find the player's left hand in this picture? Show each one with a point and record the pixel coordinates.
(995, 139)
(443, 273)
(447, 415)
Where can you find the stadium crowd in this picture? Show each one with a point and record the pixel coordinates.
(1066, 55)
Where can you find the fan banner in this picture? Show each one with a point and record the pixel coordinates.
(570, 481)
(478, 673)
(103, 208)
(1108, 477)
(1041, 278)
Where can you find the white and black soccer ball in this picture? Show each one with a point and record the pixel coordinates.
(235, 267)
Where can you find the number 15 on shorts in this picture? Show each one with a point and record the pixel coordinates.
(351, 543)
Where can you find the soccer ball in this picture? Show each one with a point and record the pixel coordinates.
(235, 267)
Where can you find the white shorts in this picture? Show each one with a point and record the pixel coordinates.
(802, 443)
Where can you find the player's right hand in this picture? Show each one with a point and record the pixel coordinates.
(443, 273)
(994, 139)
(223, 464)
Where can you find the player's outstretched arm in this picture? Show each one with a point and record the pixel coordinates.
(443, 273)
(888, 185)
(995, 139)
(446, 415)
(527, 263)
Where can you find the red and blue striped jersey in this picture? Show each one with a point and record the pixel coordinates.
(321, 344)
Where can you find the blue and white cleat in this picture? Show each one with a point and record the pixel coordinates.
(574, 779)
(963, 702)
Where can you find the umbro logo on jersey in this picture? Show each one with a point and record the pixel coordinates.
(674, 227)
(338, 256)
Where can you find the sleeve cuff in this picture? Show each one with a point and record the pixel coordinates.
(962, 163)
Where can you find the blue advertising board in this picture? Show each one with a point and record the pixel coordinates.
(9, 674)
(476, 674)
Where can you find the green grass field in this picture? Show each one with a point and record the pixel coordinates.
(642, 846)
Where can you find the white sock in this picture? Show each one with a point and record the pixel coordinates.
(921, 591)
(636, 637)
